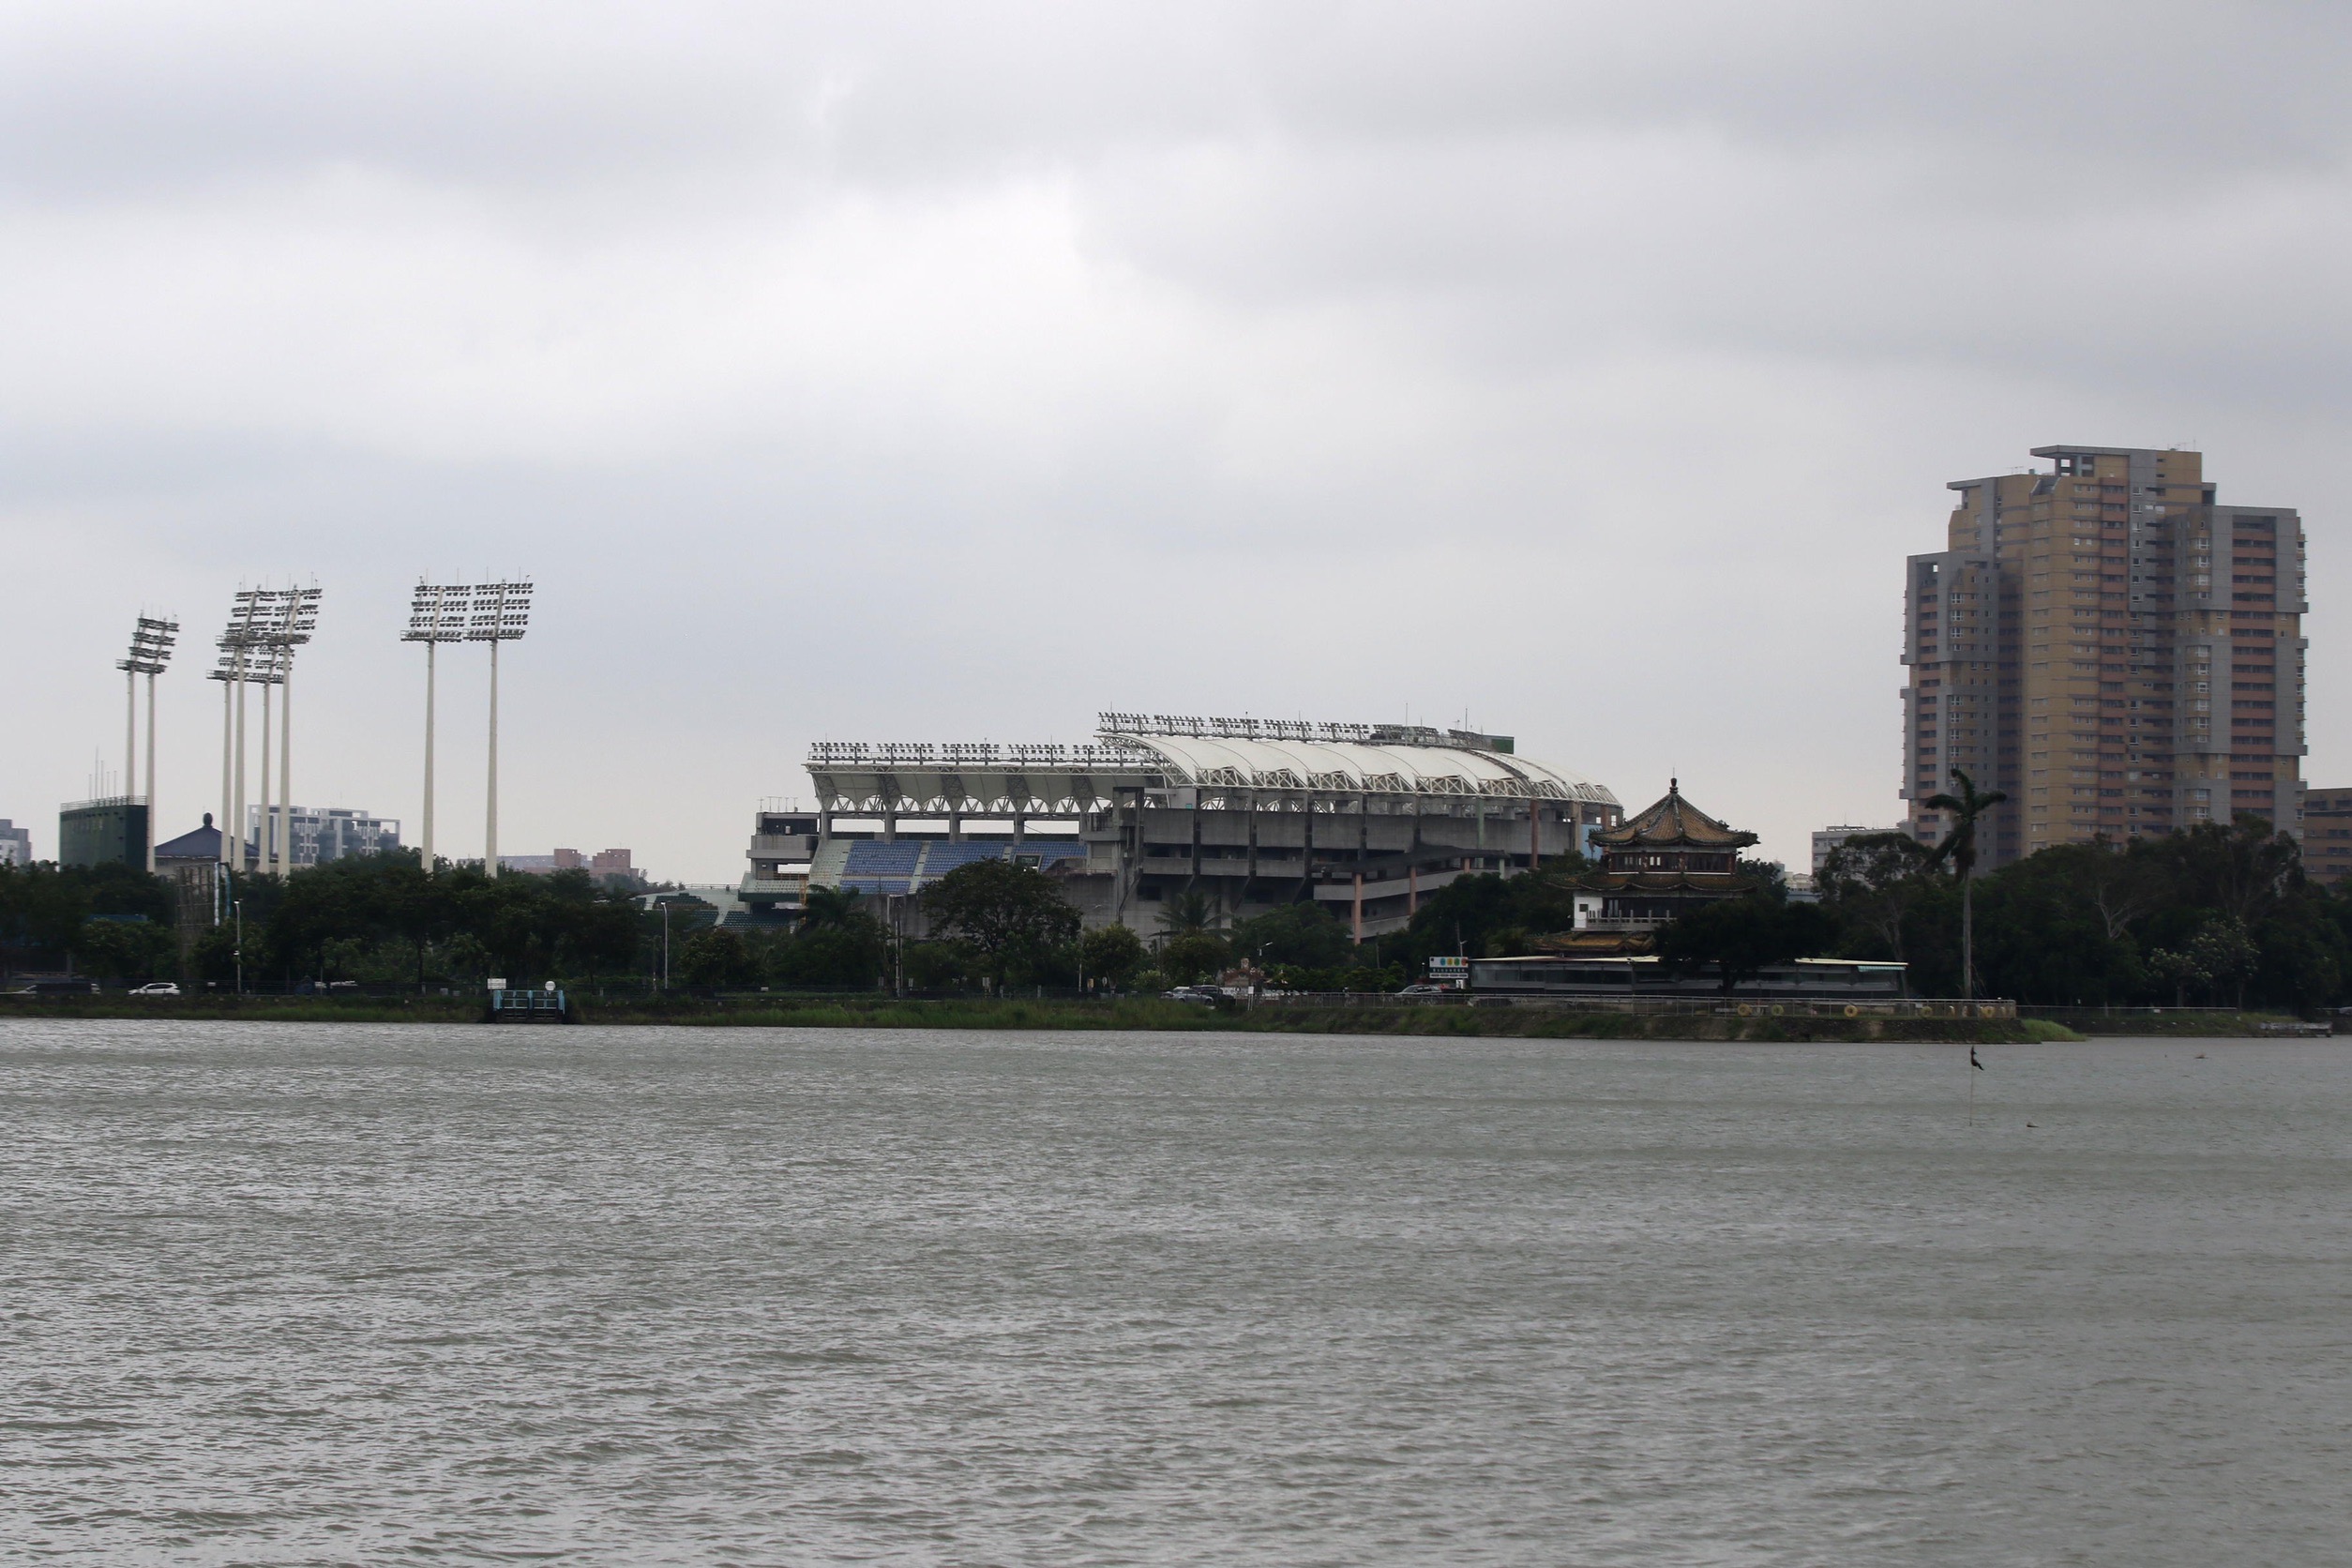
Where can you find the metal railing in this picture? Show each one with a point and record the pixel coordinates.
(1911, 1007)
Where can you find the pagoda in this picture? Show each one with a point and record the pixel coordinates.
(1666, 861)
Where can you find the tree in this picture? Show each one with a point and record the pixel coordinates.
(1870, 880)
(1959, 848)
(1113, 955)
(848, 957)
(1743, 936)
(2177, 969)
(831, 909)
(2224, 950)
(2243, 870)
(1300, 935)
(1194, 957)
(1005, 913)
(123, 949)
(1488, 916)
(716, 957)
(1188, 911)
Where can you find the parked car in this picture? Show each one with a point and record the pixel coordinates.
(1193, 993)
(1425, 987)
(155, 988)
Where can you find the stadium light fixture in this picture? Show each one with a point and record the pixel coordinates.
(296, 618)
(151, 643)
(501, 613)
(239, 644)
(436, 614)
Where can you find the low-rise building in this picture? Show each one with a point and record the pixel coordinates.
(112, 829)
(604, 864)
(321, 834)
(1665, 862)
(2328, 835)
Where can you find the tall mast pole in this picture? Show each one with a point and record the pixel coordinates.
(429, 649)
(151, 643)
(151, 816)
(237, 824)
(435, 615)
(226, 702)
(285, 767)
(260, 821)
(490, 836)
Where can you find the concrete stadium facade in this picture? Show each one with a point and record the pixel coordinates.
(1363, 820)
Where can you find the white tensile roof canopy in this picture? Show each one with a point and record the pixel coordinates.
(1362, 766)
(1133, 750)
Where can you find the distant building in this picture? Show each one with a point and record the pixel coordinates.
(2328, 835)
(321, 833)
(603, 864)
(1666, 862)
(110, 830)
(16, 844)
(192, 863)
(2111, 645)
(198, 847)
(1825, 840)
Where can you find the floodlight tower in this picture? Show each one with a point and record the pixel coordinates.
(502, 612)
(436, 614)
(239, 646)
(151, 644)
(296, 618)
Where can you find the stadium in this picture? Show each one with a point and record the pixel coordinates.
(1249, 815)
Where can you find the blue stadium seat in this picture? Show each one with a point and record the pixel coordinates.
(872, 858)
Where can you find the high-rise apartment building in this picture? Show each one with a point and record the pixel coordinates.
(2112, 646)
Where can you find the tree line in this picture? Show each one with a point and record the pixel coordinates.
(2213, 915)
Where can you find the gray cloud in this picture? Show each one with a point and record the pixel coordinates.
(954, 370)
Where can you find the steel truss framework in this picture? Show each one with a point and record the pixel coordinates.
(1251, 766)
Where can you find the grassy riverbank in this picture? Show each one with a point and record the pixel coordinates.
(1134, 1013)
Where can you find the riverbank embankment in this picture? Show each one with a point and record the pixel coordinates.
(1127, 1012)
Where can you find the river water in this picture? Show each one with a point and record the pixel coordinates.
(294, 1294)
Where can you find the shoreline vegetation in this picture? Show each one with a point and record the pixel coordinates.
(1155, 1015)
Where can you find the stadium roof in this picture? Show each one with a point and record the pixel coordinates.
(1360, 766)
(1144, 751)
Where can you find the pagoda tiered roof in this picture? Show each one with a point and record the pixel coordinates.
(1672, 822)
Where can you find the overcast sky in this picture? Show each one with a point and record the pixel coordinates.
(947, 371)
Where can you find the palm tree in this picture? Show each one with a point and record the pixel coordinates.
(1188, 911)
(831, 907)
(1959, 847)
